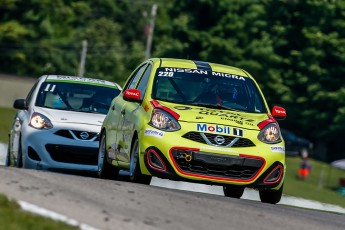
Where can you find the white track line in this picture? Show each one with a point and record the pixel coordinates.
(53, 215)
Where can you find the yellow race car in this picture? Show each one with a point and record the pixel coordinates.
(194, 121)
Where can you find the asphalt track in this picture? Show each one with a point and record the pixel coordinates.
(105, 204)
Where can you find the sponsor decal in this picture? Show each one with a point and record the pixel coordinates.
(219, 129)
(226, 115)
(169, 72)
(82, 79)
(74, 79)
(131, 93)
(154, 133)
(280, 111)
(278, 149)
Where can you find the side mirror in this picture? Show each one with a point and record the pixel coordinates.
(278, 112)
(20, 104)
(132, 95)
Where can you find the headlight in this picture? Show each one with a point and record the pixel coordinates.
(270, 134)
(163, 121)
(39, 121)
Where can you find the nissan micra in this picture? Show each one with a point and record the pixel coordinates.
(194, 121)
(57, 126)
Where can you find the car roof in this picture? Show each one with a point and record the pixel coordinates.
(83, 80)
(193, 64)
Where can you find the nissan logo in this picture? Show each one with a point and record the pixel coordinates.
(84, 135)
(219, 140)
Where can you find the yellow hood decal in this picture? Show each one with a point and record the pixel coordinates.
(217, 116)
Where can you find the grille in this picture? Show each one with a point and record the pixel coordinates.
(73, 154)
(209, 138)
(77, 135)
(208, 164)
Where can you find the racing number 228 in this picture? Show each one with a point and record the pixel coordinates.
(165, 74)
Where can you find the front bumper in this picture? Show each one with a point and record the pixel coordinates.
(255, 165)
(61, 148)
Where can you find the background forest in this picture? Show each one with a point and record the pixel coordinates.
(294, 48)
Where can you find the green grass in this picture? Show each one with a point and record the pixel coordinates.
(13, 218)
(322, 184)
(6, 118)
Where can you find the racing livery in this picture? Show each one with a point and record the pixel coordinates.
(57, 126)
(194, 121)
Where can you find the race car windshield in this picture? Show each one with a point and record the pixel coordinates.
(207, 88)
(76, 97)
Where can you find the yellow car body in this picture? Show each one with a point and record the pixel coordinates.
(158, 127)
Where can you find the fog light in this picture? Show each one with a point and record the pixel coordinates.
(154, 161)
(274, 176)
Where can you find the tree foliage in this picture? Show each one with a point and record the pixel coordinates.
(295, 49)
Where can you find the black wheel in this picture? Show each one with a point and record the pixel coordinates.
(8, 156)
(19, 160)
(271, 196)
(233, 191)
(105, 169)
(134, 169)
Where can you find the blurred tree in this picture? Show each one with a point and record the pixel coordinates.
(311, 42)
(295, 49)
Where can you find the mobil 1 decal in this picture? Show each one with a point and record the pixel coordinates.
(219, 129)
(228, 116)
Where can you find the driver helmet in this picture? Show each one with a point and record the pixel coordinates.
(228, 92)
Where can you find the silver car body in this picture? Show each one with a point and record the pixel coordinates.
(72, 141)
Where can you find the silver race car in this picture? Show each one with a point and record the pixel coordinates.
(57, 126)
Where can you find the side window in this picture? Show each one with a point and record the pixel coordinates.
(29, 97)
(143, 81)
(258, 104)
(135, 78)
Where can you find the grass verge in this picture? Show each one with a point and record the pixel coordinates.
(322, 185)
(13, 218)
(6, 119)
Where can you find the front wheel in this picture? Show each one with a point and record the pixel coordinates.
(19, 160)
(134, 168)
(105, 170)
(233, 191)
(271, 196)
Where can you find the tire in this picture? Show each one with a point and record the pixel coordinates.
(19, 160)
(105, 170)
(134, 169)
(271, 196)
(233, 191)
(8, 156)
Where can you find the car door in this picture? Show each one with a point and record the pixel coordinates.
(131, 112)
(115, 133)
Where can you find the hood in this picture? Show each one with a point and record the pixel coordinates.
(65, 116)
(217, 116)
